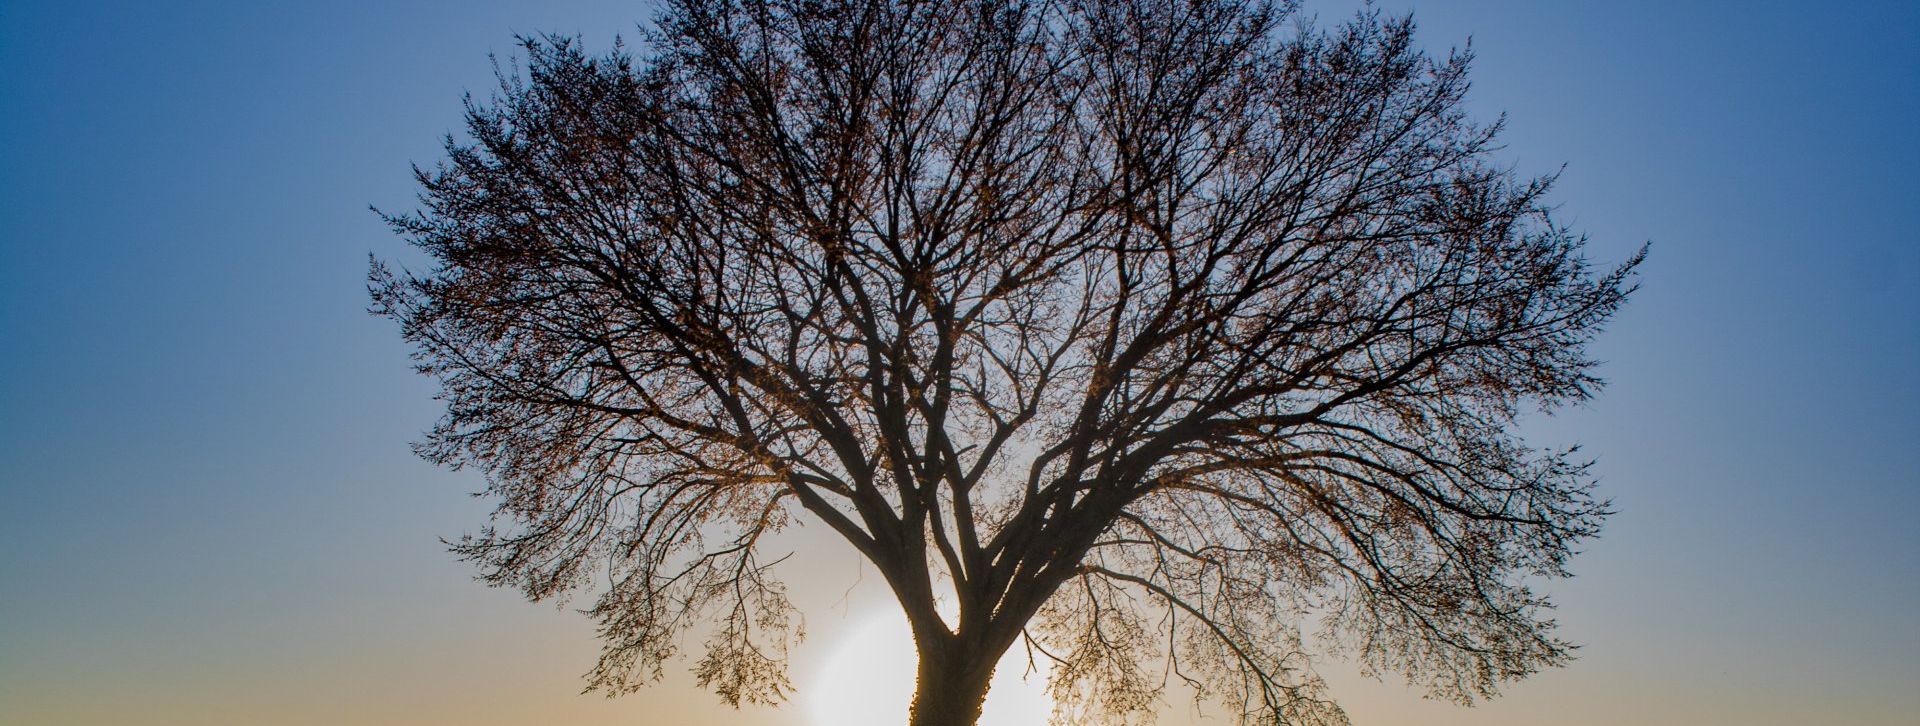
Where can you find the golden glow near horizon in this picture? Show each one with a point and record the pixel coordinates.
(867, 679)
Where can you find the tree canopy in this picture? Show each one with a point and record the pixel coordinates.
(1170, 339)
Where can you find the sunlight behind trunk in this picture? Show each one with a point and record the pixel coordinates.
(867, 679)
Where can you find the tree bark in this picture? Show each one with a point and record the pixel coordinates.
(951, 689)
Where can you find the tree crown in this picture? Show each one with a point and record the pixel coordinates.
(1144, 330)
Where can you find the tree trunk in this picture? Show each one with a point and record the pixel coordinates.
(951, 689)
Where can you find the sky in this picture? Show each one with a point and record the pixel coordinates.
(209, 513)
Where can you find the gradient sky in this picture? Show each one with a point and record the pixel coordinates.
(209, 514)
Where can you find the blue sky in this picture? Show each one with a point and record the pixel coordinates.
(209, 515)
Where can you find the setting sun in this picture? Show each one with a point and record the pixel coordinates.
(866, 679)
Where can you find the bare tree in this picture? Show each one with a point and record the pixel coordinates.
(1145, 332)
